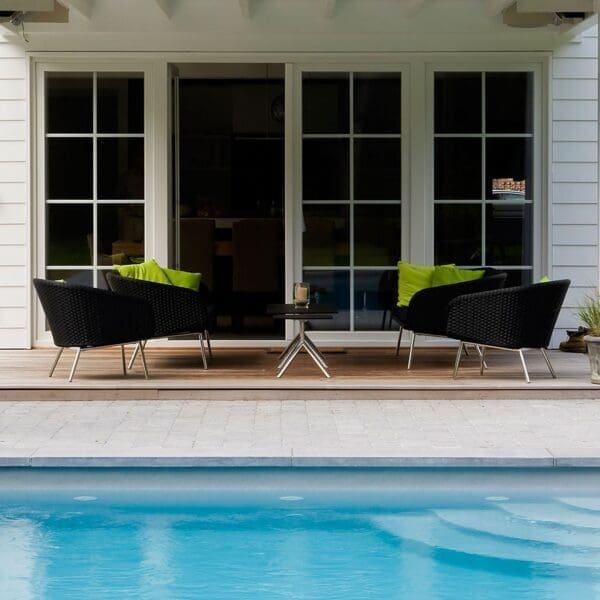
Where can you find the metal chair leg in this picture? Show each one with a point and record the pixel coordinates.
(524, 365)
(457, 361)
(123, 362)
(74, 367)
(134, 355)
(481, 351)
(481, 355)
(58, 355)
(465, 350)
(204, 363)
(547, 359)
(400, 332)
(207, 337)
(143, 357)
(412, 348)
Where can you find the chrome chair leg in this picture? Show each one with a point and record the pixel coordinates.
(58, 355)
(458, 357)
(524, 365)
(547, 359)
(481, 351)
(204, 363)
(412, 348)
(134, 355)
(466, 351)
(207, 337)
(400, 332)
(143, 357)
(74, 367)
(123, 362)
(481, 354)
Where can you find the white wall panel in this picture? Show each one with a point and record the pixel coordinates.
(575, 110)
(570, 89)
(575, 235)
(585, 152)
(575, 131)
(575, 256)
(575, 68)
(575, 172)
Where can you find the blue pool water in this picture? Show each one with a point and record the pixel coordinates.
(309, 539)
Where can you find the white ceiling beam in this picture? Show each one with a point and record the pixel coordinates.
(165, 6)
(495, 7)
(245, 8)
(27, 5)
(328, 8)
(545, 6)
(412, 7)
(83, 7)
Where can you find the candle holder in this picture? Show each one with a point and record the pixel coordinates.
(301, 295)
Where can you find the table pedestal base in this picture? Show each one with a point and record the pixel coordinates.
(299, 343)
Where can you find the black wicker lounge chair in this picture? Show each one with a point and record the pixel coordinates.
(177, 310)
(515, 319)
(427, 312)
(84, 318)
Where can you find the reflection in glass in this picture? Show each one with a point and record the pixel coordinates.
(371, 297)
(458, 102)
(71, 276)
(120, 234)
(509, 168)
(457, 169)
(509, 102)
(120, 103)
(325, 166)
(69, 168)
(326, 103)
(326, 239)
(330, 287)
(377, 169)
(377, 234)
(69, 103)
(458, 234)
(121, 168)
(509, 233)
(377, 103)
(516, 277)
(69, 234)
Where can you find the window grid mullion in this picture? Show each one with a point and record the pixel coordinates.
(483, 173)
(351, 170)
(95, 178)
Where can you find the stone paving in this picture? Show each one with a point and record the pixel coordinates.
(303, 433)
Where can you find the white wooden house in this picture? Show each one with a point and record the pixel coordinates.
(369, 130)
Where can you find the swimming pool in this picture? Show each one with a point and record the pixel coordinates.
(301, 534)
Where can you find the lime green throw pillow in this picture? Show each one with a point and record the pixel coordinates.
(146, 271)
(412, 279)
(183, 278)
(449, 274)
(544, 279)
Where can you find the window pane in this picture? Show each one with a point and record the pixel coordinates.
(518, 277)
(377, 169)
(71, 276)
(325, 170)
(458, 102)
(326, 103)
(120, 103)
(509, 232)
(69, 103)
(69, 168)
(377, 103)
(120, 234)
(509, 168)
(69, 231)
(326, 239)
(457, 169)
(458, 234)
(330, 287)
(377, 235)
(373, 295)
(509, 102)
(121, 168)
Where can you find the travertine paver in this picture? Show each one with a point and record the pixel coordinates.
(540, 432)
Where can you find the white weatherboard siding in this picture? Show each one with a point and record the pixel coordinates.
(14, 197)
(574, 215)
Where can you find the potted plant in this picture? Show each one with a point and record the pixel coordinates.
(589, 313)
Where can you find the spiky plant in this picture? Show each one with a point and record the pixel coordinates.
(589, 312)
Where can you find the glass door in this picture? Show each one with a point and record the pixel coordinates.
(353, 188)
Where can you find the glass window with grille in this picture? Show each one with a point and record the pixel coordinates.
(94, 166)
(483, 171)
(352, 193)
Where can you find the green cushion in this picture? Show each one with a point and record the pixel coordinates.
(544, 279)
(448, 274)
(412, 279)
(146, 271)
(183, 278)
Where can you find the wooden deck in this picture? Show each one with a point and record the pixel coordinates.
(176, 373)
